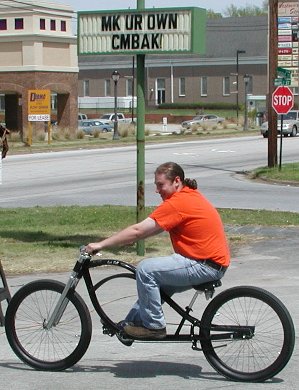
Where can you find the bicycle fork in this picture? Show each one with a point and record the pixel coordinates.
(63, 300)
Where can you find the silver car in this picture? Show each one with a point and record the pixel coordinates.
(203, 119)
(290, 125)
(90, 126)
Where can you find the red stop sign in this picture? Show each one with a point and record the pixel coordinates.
(282, 100)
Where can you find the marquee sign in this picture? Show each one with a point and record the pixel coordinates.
(168, 30)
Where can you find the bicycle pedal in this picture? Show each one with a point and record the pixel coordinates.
(108, 331)
(124, 339)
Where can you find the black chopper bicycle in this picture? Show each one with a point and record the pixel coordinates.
(245, 332)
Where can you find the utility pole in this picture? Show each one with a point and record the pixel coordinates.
(140, 138)
(272, 61)
(237, 81)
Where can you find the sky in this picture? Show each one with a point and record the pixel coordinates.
(215, 5)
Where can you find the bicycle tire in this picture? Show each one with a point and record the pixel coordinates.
(55, 349)
(259, 357)
(111, 308)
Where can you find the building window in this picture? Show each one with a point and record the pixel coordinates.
(182, 86)
(226, 86)
(19, 23)
(204, 86)
(107, 87)
(161, 91)
(42, 24)
(129, 87)
(85, 87)
(53, 25)
(63, 25)
(3, 24)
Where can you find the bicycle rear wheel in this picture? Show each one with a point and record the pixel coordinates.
(255, 357)
(47, 349)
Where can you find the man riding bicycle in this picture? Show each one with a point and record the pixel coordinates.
(201, 253)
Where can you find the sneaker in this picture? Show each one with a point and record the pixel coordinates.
(122, 336)
(139, 332)
(121, 324)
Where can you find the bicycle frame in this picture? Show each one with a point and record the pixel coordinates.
(245, 332)
(81, 269)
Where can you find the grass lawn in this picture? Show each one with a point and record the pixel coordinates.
(47, 239)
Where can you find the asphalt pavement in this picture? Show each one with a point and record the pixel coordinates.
(269, 259)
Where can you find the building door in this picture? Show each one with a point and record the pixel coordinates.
(160, 91)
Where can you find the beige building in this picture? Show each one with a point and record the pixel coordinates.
(38, 51)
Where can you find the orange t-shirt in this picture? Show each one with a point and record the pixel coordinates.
(194, 225)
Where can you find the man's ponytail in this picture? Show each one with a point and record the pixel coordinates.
(191, 183)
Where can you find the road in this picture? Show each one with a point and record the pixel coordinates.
(267, 259)
(108, 176)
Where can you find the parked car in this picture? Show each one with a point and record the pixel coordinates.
(202, 119)
(82, 117)
(109, 118)
(290, 125)
(90, 126)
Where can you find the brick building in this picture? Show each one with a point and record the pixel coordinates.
(38, 51)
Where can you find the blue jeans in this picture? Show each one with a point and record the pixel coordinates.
(172, 274)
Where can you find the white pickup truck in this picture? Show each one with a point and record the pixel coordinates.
(290, 125)
(109, 118)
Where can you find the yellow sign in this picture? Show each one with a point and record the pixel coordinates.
(39, 105)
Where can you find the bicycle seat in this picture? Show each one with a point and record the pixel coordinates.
(208, 285)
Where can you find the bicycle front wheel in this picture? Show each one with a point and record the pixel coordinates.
(254, 357)
(52, 349)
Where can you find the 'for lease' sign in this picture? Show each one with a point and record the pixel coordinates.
(148, 31)
(39, 108)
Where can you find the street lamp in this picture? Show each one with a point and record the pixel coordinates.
(237, 82)
(115, 77)
(246, 79)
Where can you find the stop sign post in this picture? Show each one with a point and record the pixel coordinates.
(282, 103)
(282, 100)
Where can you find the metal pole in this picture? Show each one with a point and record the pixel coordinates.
(237, 87)
(115, 130)
(140, 138)
(272, 61)
(280, 152)
(133, 88)
(245, 108)
(237, 82)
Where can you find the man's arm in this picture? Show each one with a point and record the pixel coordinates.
(146, 228)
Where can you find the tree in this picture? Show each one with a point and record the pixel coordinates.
(248, 10)
(213, 15)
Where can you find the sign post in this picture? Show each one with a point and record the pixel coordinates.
(282, 103)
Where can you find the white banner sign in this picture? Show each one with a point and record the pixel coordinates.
(39, 118)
